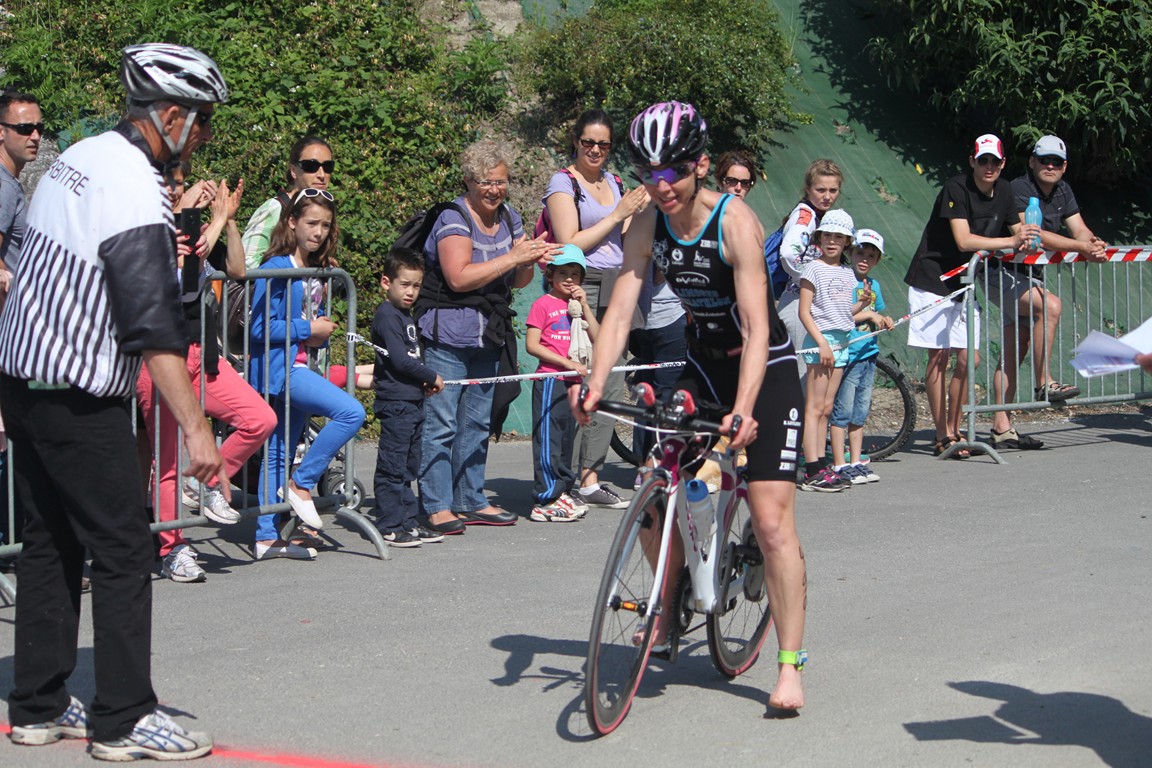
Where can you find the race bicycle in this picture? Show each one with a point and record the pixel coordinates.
(723, 575)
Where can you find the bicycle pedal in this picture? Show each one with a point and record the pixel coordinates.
(667, 651)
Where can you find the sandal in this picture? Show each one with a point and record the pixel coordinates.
(947, 442)
(1055, 392)
(306, 536)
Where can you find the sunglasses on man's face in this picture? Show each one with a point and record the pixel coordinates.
(1052, 160)
(732, 181)
(25, 129)
(311, 166)
(671, 174)
(988, 160)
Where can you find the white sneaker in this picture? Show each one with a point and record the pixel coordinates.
(73, 724)
(552, 513)
(284, 549)
(215, 506)
(577, 507)
(865, 471)
(155, 736)
(180, 566)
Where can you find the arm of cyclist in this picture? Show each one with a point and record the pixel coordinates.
(617, 322)
(743, 250)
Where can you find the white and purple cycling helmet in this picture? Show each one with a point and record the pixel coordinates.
(666, 133)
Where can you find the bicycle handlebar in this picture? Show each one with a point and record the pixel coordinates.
(664, 417)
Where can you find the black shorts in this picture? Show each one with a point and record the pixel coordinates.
(779, 411)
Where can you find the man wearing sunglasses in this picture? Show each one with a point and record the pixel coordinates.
(1031, 312)
(970, 214)
(95, 295)
(21, 128)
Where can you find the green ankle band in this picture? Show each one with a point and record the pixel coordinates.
(796, 658)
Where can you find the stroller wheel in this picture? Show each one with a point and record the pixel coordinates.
(332, 484)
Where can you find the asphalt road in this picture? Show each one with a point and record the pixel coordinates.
(960, 614)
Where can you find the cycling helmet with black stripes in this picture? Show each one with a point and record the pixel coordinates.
(666, 133)
(161, 71)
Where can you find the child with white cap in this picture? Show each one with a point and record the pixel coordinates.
(854, 397)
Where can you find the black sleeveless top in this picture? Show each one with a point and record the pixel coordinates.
(705, 283)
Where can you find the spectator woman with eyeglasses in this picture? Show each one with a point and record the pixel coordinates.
(736, 173)
(476, 254)
(588, 207)
(310, 166)
(287, 325)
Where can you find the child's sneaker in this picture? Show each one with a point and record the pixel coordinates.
(574, 505)
(552, 513)
(402, 539)
(824, 481)
(852, 473)
(155, 736)
(73, 724)
(425, 535)
(866, 471)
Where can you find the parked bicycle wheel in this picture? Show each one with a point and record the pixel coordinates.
(736, 630)
(622, 431)
(892, 419)
(621, 635)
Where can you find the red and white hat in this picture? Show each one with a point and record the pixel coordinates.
(989, 144)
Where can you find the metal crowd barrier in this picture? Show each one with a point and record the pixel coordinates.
(244, 503)
(1112, 297)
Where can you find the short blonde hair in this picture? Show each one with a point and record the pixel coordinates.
(482, 156)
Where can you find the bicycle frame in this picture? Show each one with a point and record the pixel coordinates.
(703, 549)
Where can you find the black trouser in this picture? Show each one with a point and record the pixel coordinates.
(397, 463)
(78, 481)
(553, 434)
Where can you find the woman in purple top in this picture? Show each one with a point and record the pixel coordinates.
(476, 253)
(589, 208)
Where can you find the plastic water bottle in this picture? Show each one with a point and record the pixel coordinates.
(1033, 215)
(699, 507)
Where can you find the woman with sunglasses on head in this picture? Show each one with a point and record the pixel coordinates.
(740, 362)
(310, 166)
(476, 254)
(286, 314)
(822, 182)
(736, 173)
(588, 207)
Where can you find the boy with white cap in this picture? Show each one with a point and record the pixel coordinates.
(969, 215)
(1037, 312)
(854, 397)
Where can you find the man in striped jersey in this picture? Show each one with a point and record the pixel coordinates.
(95, 294)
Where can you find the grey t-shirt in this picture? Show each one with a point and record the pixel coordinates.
(12, 210)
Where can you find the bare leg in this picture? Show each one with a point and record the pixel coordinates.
(958, 390)
(1046, 321)
(855, 442)
(822, 384)
(838, 434)
(773, 504)
(936, 389)
(1004, 382)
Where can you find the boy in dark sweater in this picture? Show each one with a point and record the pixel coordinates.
(401, 381)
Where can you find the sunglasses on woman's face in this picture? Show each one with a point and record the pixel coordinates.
(311, 166)
(589, 143)
(310, 193)
(671, 174)
(732, 181)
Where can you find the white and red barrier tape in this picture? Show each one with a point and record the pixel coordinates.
(1116, 253)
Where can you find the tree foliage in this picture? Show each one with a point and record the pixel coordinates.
(1081, 69)
(373, 78)
(729, 59)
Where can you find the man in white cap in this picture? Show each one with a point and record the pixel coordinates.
(969, 215)
(1036, 314)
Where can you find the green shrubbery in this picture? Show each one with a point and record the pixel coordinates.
(371, 77)
(1079, 68)
(727, 58)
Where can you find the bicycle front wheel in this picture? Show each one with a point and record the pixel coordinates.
(738, 626)
(622, 623)
(892, 418)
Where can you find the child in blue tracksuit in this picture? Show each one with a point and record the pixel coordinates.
(854, 397)
(401, 380)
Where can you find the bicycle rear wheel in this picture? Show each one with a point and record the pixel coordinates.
(621, 635)
(736, 630)
(892, 418)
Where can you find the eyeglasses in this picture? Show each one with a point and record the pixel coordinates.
(310, 192)
(491, 183)
(25, 129)
(203, 118)
(732, 181)
(671, 175)
(988, 160)
(311, 166)
(1052, 160)
(589, 143)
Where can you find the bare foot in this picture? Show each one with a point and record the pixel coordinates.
(789, 692)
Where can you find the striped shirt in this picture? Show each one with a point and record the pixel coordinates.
(95, 286)
(835, 295)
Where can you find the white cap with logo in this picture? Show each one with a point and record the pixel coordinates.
(989, 144)
(1051, 145)
(870, 237)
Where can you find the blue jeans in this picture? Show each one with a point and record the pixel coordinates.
(310, 394)
(454, 450)
(854, 398)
